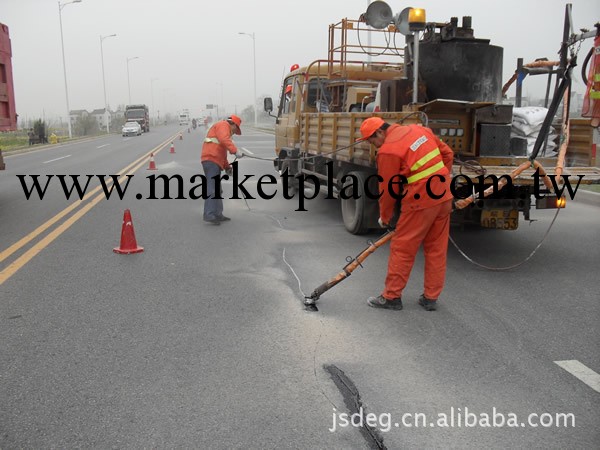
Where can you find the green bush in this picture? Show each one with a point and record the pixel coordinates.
(39, 129)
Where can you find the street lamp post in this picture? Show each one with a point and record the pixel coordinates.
(254, 64)
(152, 80)
(128, 84)
(165, 104)
(62, 44)
(104, 82)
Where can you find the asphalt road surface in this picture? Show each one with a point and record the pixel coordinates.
(202, 340)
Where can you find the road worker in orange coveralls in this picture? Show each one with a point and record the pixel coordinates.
(214, 159)
(415, 153)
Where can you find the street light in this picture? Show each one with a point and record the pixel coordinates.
(165, 105)
(254, 55)
(152, 80)
(104, 81)
(62, 44)
(128, 84)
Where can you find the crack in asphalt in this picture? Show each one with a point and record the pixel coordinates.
(354, 404)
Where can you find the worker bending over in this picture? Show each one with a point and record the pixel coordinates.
(214, 159)
(415, 153)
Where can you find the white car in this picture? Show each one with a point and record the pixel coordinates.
(132, 129)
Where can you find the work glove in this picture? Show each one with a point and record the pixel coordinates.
(239, 154)
(387, 226)
(229, 171)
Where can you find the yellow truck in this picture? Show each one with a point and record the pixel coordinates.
(457, 93)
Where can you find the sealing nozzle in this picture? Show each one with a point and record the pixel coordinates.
(310, 302)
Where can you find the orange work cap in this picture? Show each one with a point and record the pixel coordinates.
(369, 127)
(288, 89)
(237, 122)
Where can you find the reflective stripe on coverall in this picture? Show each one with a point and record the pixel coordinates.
(416, 153)
(217, 143)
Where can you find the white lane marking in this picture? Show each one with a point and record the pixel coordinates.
(56, 159)
(105, 145)
(581, 371)
(247, 151)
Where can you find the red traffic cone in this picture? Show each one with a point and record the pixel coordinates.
(172, 149)
(181, 136)
(152, 165)
(128, 243)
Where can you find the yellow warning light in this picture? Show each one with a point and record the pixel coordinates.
(416, 19)
(561, 202)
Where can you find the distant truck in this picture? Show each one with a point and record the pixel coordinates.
(8, 115)
(139, 114)
(184, 117)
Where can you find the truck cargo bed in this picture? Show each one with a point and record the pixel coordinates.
(504, 166)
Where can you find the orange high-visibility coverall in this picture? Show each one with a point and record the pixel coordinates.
(216, 144)
(416, 153)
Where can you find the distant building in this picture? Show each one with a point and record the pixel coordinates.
(118, 115)
(103, 117)
(76, 114)
(576, 104)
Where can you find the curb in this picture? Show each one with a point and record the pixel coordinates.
(37, 147)
(587, 197)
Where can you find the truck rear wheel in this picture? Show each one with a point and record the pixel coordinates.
(355, 210)
(291, 167)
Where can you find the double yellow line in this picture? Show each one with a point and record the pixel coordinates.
(18, 263)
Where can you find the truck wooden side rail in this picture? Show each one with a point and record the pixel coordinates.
(327, 142)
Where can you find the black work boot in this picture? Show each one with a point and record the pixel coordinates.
(382, 302)
(428, 305)
(223, 218)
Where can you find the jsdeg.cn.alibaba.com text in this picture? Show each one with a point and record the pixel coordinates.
(454, 418)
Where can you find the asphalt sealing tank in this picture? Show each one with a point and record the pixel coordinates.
(455, 65)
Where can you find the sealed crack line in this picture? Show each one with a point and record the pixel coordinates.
(294, 273)
(318, 338)
(278, 221)
(354, 404)
(307, 307)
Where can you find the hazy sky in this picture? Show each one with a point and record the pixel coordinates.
(196, 55)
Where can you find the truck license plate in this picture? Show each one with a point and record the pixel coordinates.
(502, 219)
